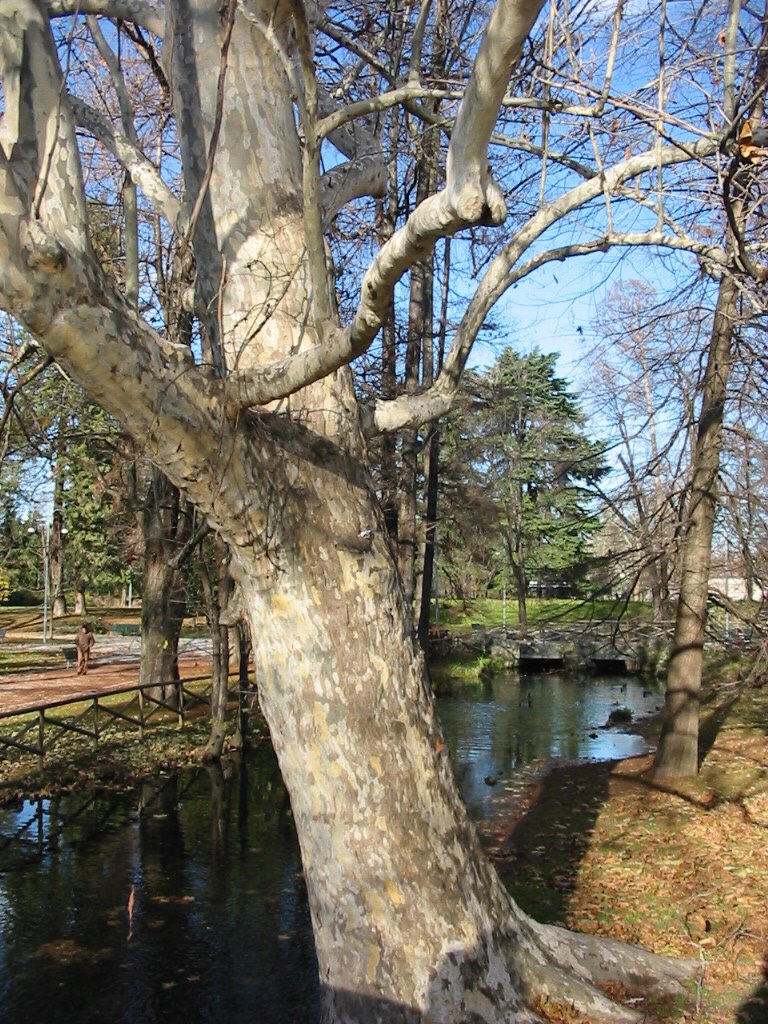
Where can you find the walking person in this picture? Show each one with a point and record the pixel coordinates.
(84, 641)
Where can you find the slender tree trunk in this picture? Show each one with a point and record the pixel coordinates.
(59, 600)
(217, 598)
(677, 754)
(388, 464)
(521, 588)
(406, 520)
(163, 603)
(426, 579)
(245, 651)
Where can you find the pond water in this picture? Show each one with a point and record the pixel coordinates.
(184, 902)
(519, 724)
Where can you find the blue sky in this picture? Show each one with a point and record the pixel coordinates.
(555, 309)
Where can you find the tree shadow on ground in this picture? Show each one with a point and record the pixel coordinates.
(539, 860)
(712, 723)
(754, 1009)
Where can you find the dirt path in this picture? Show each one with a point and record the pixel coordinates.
(110, 671)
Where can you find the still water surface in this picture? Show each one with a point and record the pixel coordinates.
(219, 931)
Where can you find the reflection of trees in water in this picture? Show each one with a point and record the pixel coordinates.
(220, 923)
(497, 729)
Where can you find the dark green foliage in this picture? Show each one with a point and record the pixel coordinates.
(521, 473)
(66, 467)
(100, 543)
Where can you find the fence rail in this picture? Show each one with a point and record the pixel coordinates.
(42, 729)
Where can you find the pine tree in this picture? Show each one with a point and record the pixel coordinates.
(529, 467)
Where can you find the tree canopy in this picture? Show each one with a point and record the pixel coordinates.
(222, 143)
(528, 468)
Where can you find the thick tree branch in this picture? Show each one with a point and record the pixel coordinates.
(414, 410)
(470, 197)
(365, 172)
(364, 176)
(310, 158)
(150, 16)
(142, 171)
(278, 380)
(42, 205)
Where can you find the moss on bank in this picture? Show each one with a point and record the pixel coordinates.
(120, 762)
(450, 671)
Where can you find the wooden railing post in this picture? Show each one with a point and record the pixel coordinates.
(180, 699)
(140, 692)
(41, 736)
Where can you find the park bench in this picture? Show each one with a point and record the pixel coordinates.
(125, 628)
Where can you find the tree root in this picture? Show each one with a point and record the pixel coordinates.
(573, 965)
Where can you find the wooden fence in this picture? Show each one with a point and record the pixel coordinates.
(43, 725)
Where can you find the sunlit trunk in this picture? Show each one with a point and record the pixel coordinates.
(678, 751)
(218, 587)
(411, 922)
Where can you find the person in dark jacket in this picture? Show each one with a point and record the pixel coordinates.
(84, 641)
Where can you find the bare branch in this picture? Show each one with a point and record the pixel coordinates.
(259, 387)
(470, 197)
(365, 172)
(130, 205)
(364, 176)
(208, 172)
(43, 213)
(150, 16)
(142, 171)
(313, 218)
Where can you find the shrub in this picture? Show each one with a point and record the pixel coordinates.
(620, 716)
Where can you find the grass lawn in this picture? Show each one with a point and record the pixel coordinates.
(459, 615)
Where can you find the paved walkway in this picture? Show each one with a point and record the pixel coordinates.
(114, 666)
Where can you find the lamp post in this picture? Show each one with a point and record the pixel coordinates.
(44, 530)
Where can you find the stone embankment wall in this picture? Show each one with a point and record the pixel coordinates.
(582, 646)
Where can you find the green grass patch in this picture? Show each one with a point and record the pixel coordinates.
(460, 615)
(448, 673)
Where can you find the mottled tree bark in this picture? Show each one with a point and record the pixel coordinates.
(411, 922)
(218, 589)
(167, 526)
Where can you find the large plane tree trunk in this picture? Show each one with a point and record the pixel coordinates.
(411, 922)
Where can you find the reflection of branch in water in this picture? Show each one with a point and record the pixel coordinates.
(131, 901)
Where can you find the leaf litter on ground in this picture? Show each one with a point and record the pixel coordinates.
(680, 870)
